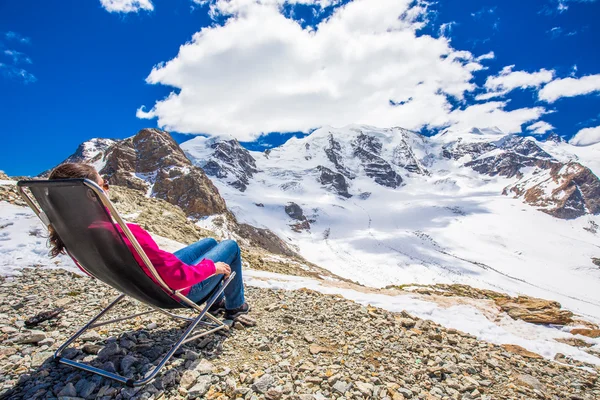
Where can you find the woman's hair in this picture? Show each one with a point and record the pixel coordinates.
(68, 171)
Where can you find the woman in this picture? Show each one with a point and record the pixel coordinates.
(196, 269)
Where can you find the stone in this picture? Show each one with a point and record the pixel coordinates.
(407, 394)
(513, 348)
(316, 349)
(85, 388)
(200, 388)
(127, 362)
(32, 336)
(364, 388)
(90, 336)
(262, 384)
(39, 358)
(407, 322)
(68, 391)
(341, 387)
(529, 381)
(204, 367)
(188, 379)
(534, 310)
(91, 348)
(591, 333)
(108, 351)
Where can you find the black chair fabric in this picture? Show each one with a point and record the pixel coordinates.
(91, 237)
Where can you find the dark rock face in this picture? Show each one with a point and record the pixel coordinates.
(375, 167)
(575, 191)
(294, 211)
(404, 157)
(152, 160)
(334, 153)
(506, 164)
(333, 180)
(230, 159)
(368, 143)
(191, 190)
(555, 138)
(457, 150)
(518, 153)
(264, 238)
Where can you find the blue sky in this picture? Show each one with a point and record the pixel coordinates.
(72, 70)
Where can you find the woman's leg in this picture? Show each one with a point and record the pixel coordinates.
(194, 253)
(228, 252)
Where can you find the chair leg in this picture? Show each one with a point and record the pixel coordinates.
(182, 340)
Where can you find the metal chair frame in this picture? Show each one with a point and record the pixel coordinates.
(214, 325)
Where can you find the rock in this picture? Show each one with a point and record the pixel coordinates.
(262, 384)
(294, 211)
(407, 322)
(364, 388)
(273, 394)
(530, 381)
(108, 351)
(407, 394)
(90, 336)
(204, 367)
(68, 391)
(316, 349)
(341, 387)
(200, 388)
(513, 348)
(151, 326)
(85, 388)
(188, 378)
(33, 336)
(38, 358)
(127, 362)
(591, 333)
(91, 348)
(534, 310)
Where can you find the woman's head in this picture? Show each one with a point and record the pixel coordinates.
(71, 171)
(78, 170)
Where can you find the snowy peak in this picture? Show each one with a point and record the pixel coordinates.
(151, 161)
(563, 190)
(223, 159)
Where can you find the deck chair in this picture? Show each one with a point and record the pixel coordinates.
(86, 221)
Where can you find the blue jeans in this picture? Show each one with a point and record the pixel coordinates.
(228, 252)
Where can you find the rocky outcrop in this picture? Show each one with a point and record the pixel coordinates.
(563, 190)
(295, 212)
(458, 149)
(333, 151)
(231, 162)
(3, 176)
(366, 149)
(534, 310)
(403, 156)
(152, 162)
(334, 181)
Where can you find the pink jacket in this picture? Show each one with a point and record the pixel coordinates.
(175, 273)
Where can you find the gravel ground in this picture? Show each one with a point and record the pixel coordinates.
(304, 345)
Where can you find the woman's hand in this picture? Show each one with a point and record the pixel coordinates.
(222, 269)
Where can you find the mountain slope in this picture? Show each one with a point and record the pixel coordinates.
(388, 206)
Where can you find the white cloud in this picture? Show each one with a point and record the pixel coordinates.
(486, 56)
(261, 72)
(12, 72)
(126, 6)
(540, 127)
(493, 115)
(570, 87)
(14, 36)
(508, 80)
(586, 137)
(17, 56)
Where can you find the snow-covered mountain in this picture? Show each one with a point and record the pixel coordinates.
(389, 206)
